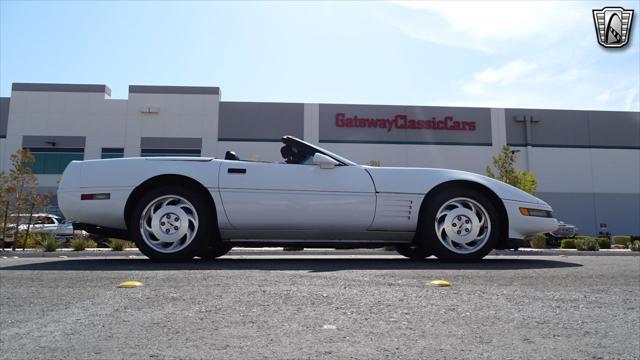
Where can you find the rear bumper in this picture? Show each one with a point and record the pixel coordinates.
(102, 231)
(108, 213)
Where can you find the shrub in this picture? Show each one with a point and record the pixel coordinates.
(537, 241)
(81, 243)
(604, 243)
(90, 244)
(568, 244)
(635, 246)
(32, 241)
(119, 245)
(48, 242)
(622, 240)
(587, 244)
(553, 242)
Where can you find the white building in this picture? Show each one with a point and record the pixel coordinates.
(587, 162)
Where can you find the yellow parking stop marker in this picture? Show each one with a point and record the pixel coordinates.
(62, 256)
(440, 283)
(130, 284)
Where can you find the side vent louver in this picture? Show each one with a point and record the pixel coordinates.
(397, 208)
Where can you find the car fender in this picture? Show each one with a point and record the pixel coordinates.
(118, 178)
(422, 180)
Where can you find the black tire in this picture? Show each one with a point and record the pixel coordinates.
(413, 252)
(215, 249)
(202, 235)
(428, 237)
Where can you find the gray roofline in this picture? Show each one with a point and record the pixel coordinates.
(88, 88)
(262, 102)
(580, 110)
(187, 90)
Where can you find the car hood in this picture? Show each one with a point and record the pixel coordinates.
(422, 180)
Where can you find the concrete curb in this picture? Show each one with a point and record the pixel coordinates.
(275, 251)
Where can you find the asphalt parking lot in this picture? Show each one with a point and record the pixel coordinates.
(307, 305)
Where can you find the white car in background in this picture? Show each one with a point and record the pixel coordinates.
(43, 223)
(564, 230)
(175, 208)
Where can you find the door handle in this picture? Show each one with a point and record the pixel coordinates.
(236, 171)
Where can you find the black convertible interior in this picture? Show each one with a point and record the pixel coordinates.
(295, 155)
(293, 152)
(231, 155)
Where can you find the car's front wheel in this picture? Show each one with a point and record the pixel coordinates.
(460, 225)
(171, 223)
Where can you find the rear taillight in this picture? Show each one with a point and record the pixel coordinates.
(101, 196)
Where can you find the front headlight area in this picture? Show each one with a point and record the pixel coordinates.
(526, 211)
(528, 219)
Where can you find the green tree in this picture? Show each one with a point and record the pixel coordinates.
(4, 207)
(35, 202)
(18, 189)
(504, 164)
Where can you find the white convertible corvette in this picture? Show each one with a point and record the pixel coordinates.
(175, 208)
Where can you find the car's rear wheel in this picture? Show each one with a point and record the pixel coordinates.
(171, 223)
(460, 225)
(413, 252)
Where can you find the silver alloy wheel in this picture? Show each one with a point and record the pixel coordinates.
(168, 224)
(463, 225)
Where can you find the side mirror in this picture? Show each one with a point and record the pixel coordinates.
(324, 161)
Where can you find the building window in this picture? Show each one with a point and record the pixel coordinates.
(54, 160)
(169, 152)
(112, 153)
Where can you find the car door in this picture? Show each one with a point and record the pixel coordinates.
(55, 226)
(49, 225)
(280, 196)
(37, 224)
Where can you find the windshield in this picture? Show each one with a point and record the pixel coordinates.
(308, 150)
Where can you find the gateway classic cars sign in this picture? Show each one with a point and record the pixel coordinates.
(401, 121)
(405, 124)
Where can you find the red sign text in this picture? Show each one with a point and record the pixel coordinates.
(401, 121)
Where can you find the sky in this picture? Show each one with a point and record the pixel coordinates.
(479, 54)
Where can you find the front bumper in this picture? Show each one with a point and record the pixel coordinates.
(521, 226)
